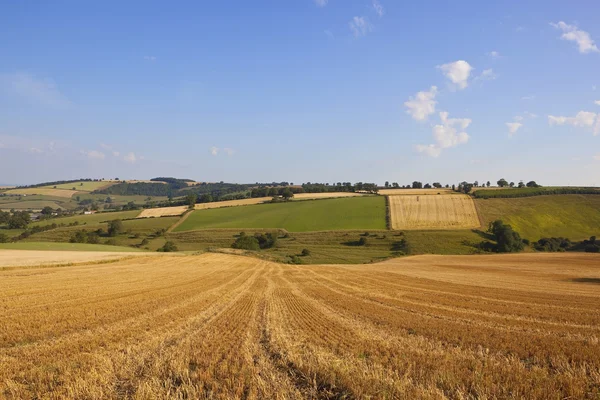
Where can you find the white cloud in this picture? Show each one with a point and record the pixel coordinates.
(115, 154)
(130, 158)
(597, 157)
(494, 54)
(33, 89)
(359, 26)
(582, 38)
(229, 151)
(422, 105)
(458, 72)
(321, 3)
(35, 150)
(530, 115)
(450, 133)
(214, 150)
(150, 58)
(93, 154)
(531, 97)
(513, 127)
(378, 8)
(519, 29)
(597, 102)
(487, 75)
(430, 149)
(583, 119)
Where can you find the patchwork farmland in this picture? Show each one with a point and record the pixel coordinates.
(452, 211)
(221, 326)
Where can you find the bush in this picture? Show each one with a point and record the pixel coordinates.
(305, 252)
(362, 241)
(78, 237)
(266, 240)
(592, 248)
(507, 240)
(244, 242)
(168, 247)
(4, 238)
(115, 227)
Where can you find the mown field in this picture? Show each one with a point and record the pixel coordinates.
(575, 217)
(366, 212)
(84, 186)
(223, 327)
(451, 211)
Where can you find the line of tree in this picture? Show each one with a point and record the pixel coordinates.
(560, 244)
(528, 192)
(54, 183)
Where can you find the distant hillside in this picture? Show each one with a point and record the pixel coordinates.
(572, 216)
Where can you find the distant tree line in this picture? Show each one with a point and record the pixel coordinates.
(560, 244)
(532, 191)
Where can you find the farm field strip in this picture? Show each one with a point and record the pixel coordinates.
(43, 191)
(452, 211)
(162, 212)
(413, 192)
(224, 326)
(21, 258)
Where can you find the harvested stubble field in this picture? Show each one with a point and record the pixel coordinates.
(67, 194)
(162, 212)
(223, 326)
(452, 211)
(20, 258)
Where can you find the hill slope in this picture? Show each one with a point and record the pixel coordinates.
(573, 216)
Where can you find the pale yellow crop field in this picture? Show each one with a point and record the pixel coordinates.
(451, 211)
(43, 191)
(162, 212)
(228, 327)
(232, 203)
(411, 192)
(11, 258)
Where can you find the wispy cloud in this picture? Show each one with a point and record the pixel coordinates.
(457, 72)
(35, 150)
(34, 89)
(214, 150)
(379, 10)
(450, 133)
(487, 75)
(93, 154)
(329, 34)
(513, 127)
(525, 98)
(494, 54)
(131, 158)
(359, 26)
(229, 151)
(583, 39)
(422, 104)
(150, 58)
(597, 102)
(321, 3)
(583, 119)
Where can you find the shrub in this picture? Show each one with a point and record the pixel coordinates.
(78, 237)
(244, 242)
(115, 227)
(362, 241)
(266, 240)
(4, 238)
(507, 240)
(168, 247)
(305, 252)
(592, 248)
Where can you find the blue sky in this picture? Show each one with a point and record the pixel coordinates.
(301, 90)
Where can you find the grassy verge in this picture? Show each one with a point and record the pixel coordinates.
(302, 216)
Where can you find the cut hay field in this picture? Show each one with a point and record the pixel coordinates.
(84, 186)
(451, 211)
(365, 212)
(45, 191)
(412, 192)
(83, 254)
(223, 327)
(574, 216)
(162, 212)
(89, 219)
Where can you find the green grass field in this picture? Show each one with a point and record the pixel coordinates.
(89, 219)
(64, 247)
(573, 216)
(303, 216)
(81, 186)
(532, 191)
(336, 247)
